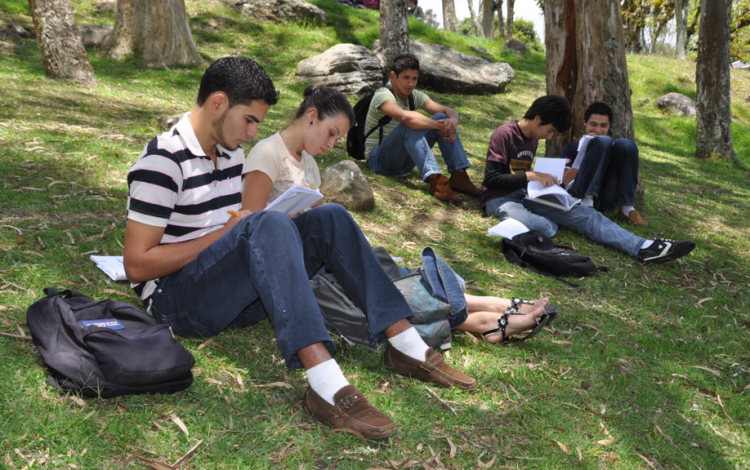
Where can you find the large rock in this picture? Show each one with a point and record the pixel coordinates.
(351, 69)
(94, 36)
(14, 31)
(274, 11)
(448, 71)
(677, 103)
(345, 184)
(514, 45)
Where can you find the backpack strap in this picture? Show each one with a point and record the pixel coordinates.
(53, 292)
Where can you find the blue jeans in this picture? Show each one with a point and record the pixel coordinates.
(404, 148)
(609, 172)
(270, 257)
(584, 220)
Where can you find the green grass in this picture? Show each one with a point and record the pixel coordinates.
(623, 374)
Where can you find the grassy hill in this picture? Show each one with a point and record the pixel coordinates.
(647, 367)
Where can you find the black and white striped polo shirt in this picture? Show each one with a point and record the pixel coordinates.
(175, 185)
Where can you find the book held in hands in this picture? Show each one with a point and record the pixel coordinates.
(295, 199)
(553, 195)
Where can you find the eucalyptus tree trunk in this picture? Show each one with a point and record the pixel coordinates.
(486, 19)
(509, 18)
(60, 44)
(474, 19)
(450, 22)
(156, 31)
(500, 21)
(712, 81)
(680, 16)
(586, 62)
(394, 29)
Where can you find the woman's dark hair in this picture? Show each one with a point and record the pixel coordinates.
(328, 101)
(602, 109)
(242, 79)
(552, 109)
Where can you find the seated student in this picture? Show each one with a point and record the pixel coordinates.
(198, 269)
(286, 158)
(605, 175)
(406, 141)
(416, 10)
(507, 173)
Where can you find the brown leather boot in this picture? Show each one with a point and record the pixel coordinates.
(440, 188)
(459, 181)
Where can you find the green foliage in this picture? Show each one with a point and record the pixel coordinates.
(645, 362)
(15, 7)
(523, 30)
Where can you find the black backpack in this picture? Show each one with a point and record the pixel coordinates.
(105, 348)
(355, 138)
(536, 251)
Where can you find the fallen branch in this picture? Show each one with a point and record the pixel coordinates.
(442, 402)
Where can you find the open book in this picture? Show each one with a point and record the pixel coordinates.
(554, 195)
(295, 199)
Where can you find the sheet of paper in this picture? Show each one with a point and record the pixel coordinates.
(295, 199)
(582, 146)
(112, 266)
(508, 228)
(552, 166)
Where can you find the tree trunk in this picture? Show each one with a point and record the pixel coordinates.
(712, 82)
(60, 44)
(474, 21)
(450, 22)
(500, 21)
(394, 29)
(680, 16)
(509, 18)
(156, 31)
(586, 63)
(486, 19)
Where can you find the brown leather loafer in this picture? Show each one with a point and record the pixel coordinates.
(440, 188)
(351, 411)
(433, 370)
(634, 218)
(460, 181)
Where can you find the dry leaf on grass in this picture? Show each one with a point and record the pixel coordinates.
(480, 464)
(606, 442)
(352, 432)
(701, 301)
(205, 344)
(563, 342)
(77, 400)
(154, 464)
(563, 447)
(176, 420)
(274, 384)
(715, 372)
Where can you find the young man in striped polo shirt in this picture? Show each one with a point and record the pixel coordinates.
(407, 140)
(198, 269)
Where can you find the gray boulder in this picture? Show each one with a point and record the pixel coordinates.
(448, 71)
(677, 103)
(514, 45)
(350, 69)
(345, 184)
(106, 5)
(166, 121)
(15, 31)
(274, 11)
(95, 36)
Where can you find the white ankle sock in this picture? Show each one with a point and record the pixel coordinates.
(326, 379)
(626, 209)
(647, 244)
(587, 201)
(410, 343)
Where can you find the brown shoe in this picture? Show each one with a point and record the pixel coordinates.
(433, 370)
(459, 181)
(351, 411)
(634, 218)
(440, 188)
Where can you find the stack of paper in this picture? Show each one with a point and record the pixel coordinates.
(508, 228)
(295, 199)
(112, 266)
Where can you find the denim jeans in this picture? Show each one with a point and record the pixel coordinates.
(609, 172)
(584, 220)
(511, 207)
(270, 257)
(404, 148)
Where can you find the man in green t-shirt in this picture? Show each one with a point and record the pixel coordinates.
(406, 141)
